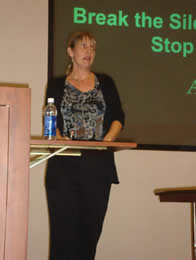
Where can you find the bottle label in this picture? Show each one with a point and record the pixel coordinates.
(50, 126)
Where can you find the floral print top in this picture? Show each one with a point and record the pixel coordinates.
(83, 113)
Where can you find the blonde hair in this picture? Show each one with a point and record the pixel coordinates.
(75, 37)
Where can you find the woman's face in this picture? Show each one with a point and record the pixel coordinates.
(83, 53)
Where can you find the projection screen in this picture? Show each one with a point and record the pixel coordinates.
(148, 48)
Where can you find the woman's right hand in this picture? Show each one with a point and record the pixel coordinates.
(60, 137)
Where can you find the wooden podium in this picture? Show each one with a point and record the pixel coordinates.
(15, 147)
(14, 170)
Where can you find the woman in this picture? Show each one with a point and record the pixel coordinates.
(78, 188)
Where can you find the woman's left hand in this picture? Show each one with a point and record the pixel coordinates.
(113, 132)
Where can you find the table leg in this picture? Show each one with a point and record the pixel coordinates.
(193, 229)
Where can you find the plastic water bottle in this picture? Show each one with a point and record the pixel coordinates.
(50, 118)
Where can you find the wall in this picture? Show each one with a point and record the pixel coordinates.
(137, 225)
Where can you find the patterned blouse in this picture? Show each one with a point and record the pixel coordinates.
(83, 113)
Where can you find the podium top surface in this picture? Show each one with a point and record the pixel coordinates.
(40, 141)
(175, 189)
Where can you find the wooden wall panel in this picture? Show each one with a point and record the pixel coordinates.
(4, 115)
(17, 193)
